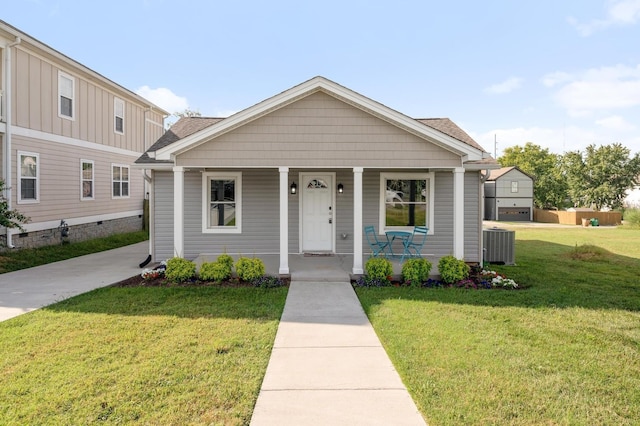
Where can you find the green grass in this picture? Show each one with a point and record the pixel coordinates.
(14, 260)
(565, 350)
(161, 355)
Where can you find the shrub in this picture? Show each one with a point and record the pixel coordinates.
(632, 218)
(225, 259)
(416, 271)
(215, 271)
(267, 281)
(452, 269)
(378, 268)
(180, 270)
(249, 269)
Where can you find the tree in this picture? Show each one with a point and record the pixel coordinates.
(10, 218)
(601, 176)
(549, 186)
(178, 115)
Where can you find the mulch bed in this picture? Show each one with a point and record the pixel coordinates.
(138, 281)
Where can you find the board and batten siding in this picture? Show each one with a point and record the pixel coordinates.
(35, 106)
(60, 187)
(318, 131)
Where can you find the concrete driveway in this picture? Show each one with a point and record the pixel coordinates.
(29, 289)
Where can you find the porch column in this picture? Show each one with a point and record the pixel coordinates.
(357, 220)
(284, 220)
(458, 212)
(178, 211)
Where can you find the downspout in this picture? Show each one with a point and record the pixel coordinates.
(6, 146)
(149, 181)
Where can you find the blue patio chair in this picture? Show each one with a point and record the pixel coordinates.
(377, 246)
(413, 246)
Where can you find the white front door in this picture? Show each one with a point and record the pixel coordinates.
(317, 212)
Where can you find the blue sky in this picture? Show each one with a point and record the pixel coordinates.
(562, 74)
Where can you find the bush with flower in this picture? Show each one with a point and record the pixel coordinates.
(149, 274)
(498, 280)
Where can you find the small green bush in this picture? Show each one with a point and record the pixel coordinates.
(180, 270)
(225, 259)
(632, 218)
(378, 268)
(249, 269)
(452, 269)
(215, 271)
(416, 271)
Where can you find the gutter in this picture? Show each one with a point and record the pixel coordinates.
(6, 146)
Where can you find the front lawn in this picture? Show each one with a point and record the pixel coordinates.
(160, 355)
(565, 350)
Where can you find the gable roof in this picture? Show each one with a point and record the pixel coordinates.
(439, 131)
(498, 173)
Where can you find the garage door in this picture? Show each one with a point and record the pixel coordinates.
(514, 214)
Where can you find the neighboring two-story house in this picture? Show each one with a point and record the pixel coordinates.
(508, 195)
(69, 137)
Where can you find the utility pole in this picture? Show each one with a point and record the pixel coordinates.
(495, 146)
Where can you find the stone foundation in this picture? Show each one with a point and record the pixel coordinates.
(77, 233)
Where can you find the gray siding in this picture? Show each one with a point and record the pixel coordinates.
(319, 131)
(260, 210)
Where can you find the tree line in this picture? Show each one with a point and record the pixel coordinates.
(596, 177)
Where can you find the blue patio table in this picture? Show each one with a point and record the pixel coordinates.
(403, 236)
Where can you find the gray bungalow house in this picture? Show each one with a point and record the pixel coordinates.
(304, 171)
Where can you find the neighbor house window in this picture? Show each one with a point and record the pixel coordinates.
(86, 179)
(406, 200)
(120, 181)
(222, 200)
(66, 93)
(514, 186)
(118, 108)
(29, 182)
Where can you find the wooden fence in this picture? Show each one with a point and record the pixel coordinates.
(575, 218)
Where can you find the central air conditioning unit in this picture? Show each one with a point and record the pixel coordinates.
(499, 246)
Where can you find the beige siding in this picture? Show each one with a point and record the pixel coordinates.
(318, 131)
(59, 170)
(35, 101)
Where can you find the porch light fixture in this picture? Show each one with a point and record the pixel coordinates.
(340, 188)
(294, 188)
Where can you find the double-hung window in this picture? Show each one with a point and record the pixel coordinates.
(118, 116)
(406, 200)
(86, 180)
(222, 202)
(29, 182)
(120, 181)
(66, 93)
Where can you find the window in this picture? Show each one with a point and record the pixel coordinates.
(222, 200)
(66, 92)
(29, 182)
(514, 186)
(118, 109)
(406, 200)
(120, 181)
(86, 180)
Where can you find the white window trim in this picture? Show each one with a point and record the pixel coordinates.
(37, 179)
(429, 177)
(514, 186)
(122, 166)
(119, 101)
(206, 194)
(73, 96)
(93, 180)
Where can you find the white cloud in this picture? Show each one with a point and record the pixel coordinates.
(619, 13)
(616, 123)
(506, 86)
(164, 98)
(604, 88)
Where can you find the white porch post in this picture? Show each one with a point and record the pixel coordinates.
(458, 212)
(284, 220)
(357, 220)
(178, 211)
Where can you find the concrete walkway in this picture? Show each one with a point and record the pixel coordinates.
(29, 289)
(328, 366)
